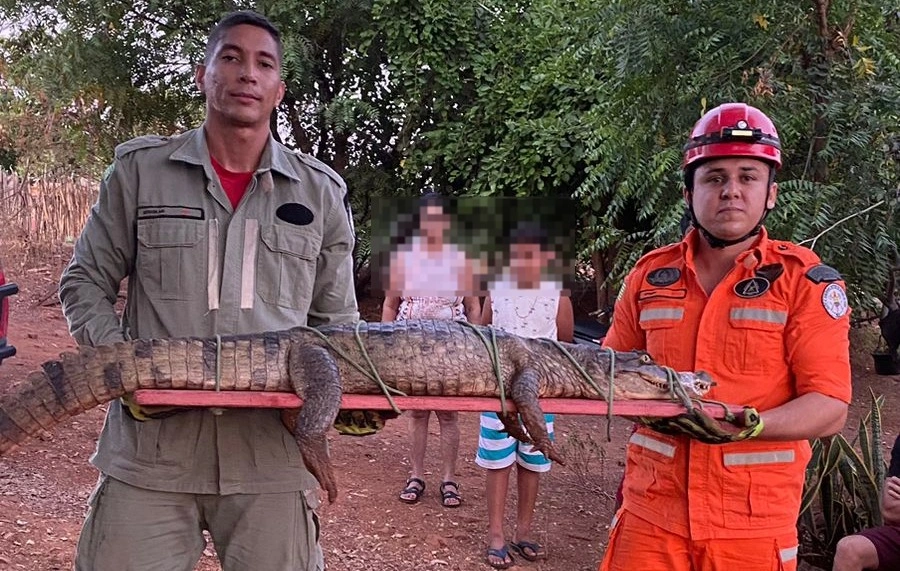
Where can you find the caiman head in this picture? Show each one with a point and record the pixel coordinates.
(636, 376)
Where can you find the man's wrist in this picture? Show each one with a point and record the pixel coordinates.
(754, 419)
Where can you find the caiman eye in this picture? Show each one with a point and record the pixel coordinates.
(645, 359)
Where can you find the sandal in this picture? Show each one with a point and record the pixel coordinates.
(450, 498)
(528, 550)
(503, 554)
(415, 490)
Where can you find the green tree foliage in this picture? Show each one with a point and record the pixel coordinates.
(504, 88)
(827, 73)
(525, 98)
(97, 72)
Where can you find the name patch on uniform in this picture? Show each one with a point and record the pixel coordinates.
(663, 277)
(834, 298)
(663, 293)
(752, 287)
(294, 213)
(823, 273)
(149, 212)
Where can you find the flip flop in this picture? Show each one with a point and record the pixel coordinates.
(502, 553)
(528, 550)
(447, 494)
(416, 491)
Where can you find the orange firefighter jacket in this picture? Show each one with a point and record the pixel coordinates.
(775, 328)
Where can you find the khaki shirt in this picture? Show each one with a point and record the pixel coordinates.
(197, 267)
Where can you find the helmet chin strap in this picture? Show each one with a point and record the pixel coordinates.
(715, 241)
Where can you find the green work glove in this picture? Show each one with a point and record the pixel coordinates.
(362, 422)
(701, 426)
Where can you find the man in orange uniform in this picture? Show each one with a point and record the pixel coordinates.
(770, 323)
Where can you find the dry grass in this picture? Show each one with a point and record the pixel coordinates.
(41, 217)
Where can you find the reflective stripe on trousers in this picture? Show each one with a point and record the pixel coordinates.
(751, 458)
(788, 554)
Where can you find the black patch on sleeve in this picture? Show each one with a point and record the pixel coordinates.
(663, 277)
(771, 272)
(294, 213)
(823, 274)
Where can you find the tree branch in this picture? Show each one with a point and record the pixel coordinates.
(838, 223)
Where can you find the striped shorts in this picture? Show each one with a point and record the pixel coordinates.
(497, 449)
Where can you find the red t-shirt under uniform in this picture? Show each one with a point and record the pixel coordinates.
(233, 183)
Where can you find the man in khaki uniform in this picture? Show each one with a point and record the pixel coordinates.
(220, 230)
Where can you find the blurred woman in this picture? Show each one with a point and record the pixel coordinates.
(431, 278)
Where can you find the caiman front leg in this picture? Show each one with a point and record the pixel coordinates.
(523, 389)
(316, 379)
(513, 426)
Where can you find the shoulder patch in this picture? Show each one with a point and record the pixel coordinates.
(823, 274)
(771, 271)
(144, 142)
(663, 277)
(318, 165)
(834, 298)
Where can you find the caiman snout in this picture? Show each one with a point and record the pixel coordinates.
(638, 377)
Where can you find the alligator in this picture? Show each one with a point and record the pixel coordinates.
(413, 357)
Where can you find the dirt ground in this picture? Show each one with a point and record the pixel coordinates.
(44, 486)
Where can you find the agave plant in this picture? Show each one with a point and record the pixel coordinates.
(843, 488)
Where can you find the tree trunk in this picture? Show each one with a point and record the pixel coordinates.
(821, 126)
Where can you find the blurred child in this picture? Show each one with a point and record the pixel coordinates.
(526, 301)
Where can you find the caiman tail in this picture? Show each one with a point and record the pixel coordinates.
(91, 376)
(62, 389)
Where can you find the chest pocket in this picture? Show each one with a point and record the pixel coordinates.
(171, 258)
(660, 321)
(754, 342)
(286, 270)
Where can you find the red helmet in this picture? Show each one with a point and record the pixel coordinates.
(733, 130)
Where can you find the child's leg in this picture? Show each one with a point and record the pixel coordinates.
(531, 464)
(496, 487)
(528, 483)
(497, 453)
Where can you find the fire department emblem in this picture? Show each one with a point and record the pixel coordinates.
(752, 287)
(834, 298)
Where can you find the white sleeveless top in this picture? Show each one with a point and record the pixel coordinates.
(526, 312)
(431, 282)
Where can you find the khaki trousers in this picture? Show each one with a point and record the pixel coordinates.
(134, 529)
